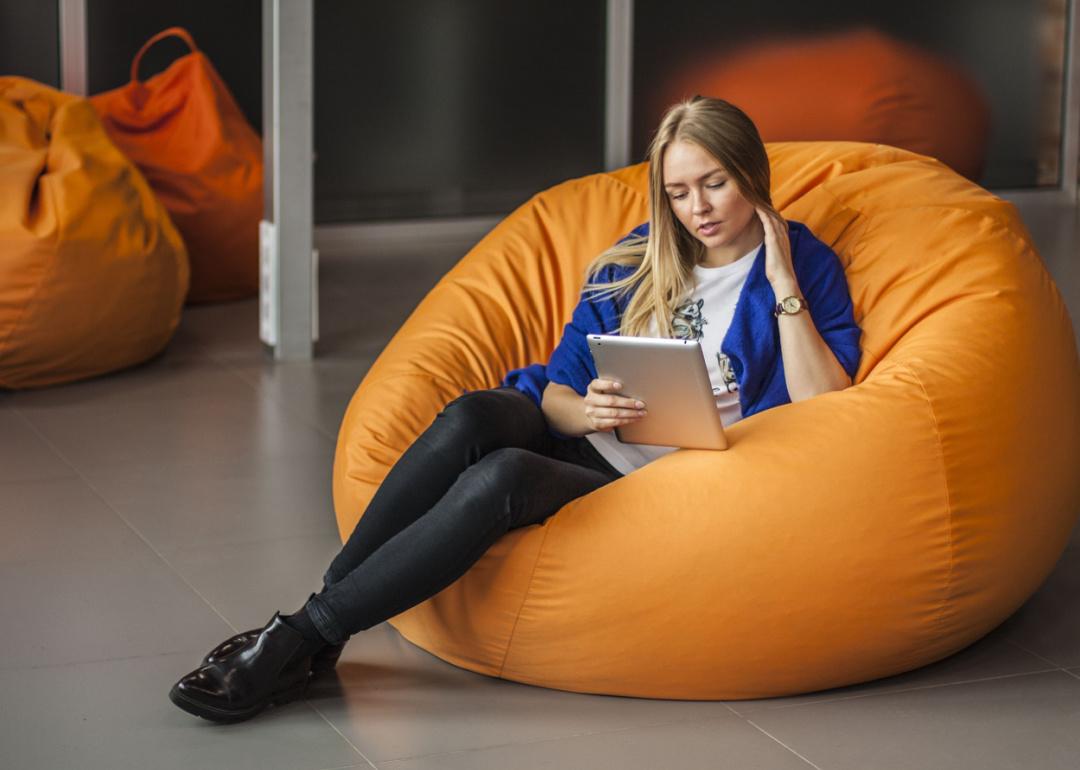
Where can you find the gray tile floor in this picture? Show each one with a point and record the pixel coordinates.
(149, 514)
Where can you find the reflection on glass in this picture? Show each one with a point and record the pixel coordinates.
(29, 46)
(230, 34)
(432, 108)
(977, 83)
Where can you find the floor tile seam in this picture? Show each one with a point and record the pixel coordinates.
(334, 727)
(99, 410)
(557, 738)
(777, 740)
(887, 693)
(1043, 658)
(235, 372)
(281, 404)
(128, 399)
(189, 467)
(97, 493)
(48, 444)
(331, 530)
(164, 551)
(96, 661)
(39, 479)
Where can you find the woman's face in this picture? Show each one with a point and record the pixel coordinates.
(706, 201)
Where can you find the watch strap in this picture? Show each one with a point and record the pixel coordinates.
(779, 309)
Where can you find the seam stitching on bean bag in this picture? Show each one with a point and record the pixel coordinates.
(398, 375)
(948, 497)
(612, 178)
(524, 599)
(47, 275)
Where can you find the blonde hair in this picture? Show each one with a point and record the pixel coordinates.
(665, 259)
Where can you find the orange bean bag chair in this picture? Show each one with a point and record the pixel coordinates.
(858, 85)
(846, 537)
(186, 133)
(92, 272)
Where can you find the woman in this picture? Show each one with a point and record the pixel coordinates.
(720, 265)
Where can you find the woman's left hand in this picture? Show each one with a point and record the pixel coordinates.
(779, 268)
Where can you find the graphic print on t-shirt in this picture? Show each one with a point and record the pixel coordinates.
(687, 324)
(688, 320)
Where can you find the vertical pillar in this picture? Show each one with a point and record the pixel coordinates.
(618, 83)
(288, 291)
(73, 46)
(1070, 129)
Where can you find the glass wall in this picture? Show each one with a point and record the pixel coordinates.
(422, 109)
(441, 109)
(1007, 53)
(434, 108)
(229, 33)
(29, 41)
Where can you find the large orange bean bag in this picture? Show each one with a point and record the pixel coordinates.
(857, 85)
(186, 133)
(842, 538)
(92, 272)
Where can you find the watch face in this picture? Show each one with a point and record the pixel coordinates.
(791, 304)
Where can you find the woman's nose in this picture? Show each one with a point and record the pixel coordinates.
(701, 204)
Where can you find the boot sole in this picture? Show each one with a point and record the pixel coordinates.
(226, 716)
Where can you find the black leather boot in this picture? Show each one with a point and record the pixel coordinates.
(323, 662)
(262, 672)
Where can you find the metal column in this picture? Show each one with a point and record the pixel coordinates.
(619, 81)
(73, 46)
(1070, 124)
(288, 291)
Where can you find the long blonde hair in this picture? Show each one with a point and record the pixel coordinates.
(665, 259)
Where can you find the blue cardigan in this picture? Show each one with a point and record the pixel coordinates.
(752, 341)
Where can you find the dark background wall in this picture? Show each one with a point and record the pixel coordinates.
(434, 108)
(228, 31)
(29, 40)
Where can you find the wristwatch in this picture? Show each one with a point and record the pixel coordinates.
(790, 306)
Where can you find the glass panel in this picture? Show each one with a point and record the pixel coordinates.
(229, 33)
(1007, 53)
(29, 41)
(432, 108)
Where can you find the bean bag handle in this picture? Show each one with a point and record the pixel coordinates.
(179, 32)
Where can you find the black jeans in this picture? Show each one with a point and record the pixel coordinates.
(486, 465)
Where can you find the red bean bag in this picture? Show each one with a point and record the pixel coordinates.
(185, 132)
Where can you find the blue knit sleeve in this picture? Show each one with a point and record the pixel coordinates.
(530, 380)
(824, 284)
(571, 362)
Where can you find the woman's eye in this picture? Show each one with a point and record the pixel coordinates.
(715, 185)
(678, 196)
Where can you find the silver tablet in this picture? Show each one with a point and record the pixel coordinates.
(671, 378)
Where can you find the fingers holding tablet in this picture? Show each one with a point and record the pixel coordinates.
(605, 409)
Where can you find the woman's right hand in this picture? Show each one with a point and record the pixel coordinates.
(606, 410)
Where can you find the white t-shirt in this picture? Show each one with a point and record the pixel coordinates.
(706, 316)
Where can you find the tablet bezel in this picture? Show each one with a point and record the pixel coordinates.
(671, 377)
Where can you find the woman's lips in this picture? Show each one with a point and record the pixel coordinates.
(709, 228)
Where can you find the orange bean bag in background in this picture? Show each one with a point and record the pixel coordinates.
(185, 132)
(846, 537)
(858, 85)
(92, 272)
